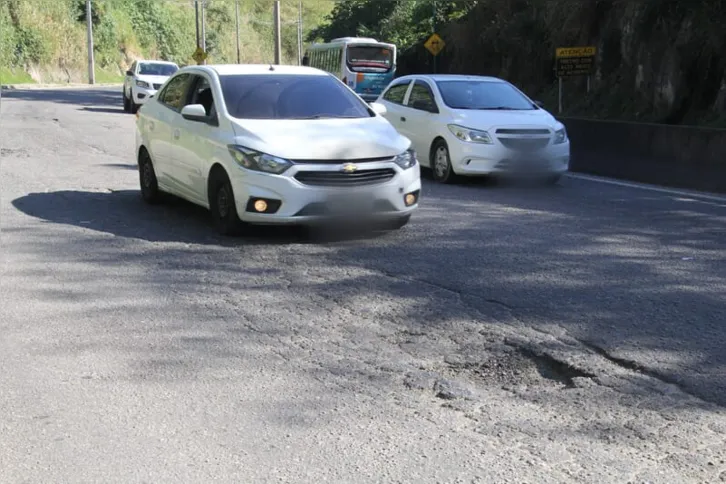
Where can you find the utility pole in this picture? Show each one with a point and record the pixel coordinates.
(196, 18)
(236, 14)
(204, 31)
(89, 34)
(434, 29)
(299, 33)
(276, 23)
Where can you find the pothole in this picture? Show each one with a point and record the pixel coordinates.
(519, 366)
(554, 370)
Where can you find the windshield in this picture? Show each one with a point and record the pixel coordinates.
(288, 96)
(369, 58)
(155, 69)
(483, 95)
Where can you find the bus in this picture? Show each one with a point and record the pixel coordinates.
(365, 65)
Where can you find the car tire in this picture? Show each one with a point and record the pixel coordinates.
(150, 192)
(127, 107)
(134, 106)
(441, 168)
(222, 205)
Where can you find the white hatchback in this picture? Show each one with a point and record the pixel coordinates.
(274, 145)
(472, 125)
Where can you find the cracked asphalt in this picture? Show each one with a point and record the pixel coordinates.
(563, 334)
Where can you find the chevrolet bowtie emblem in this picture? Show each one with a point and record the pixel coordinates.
(350, 167)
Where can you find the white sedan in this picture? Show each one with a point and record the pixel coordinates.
(142, 81)
(476, 126)
(274, 145)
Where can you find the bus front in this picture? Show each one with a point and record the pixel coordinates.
(369, 68)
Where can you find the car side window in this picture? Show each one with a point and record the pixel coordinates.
(421, 97)
(396, 93)
(173, 95)
(201, 93)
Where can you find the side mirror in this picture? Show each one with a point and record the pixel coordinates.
(425, 106)
(129, 72)
(194, 112)
(379, 109)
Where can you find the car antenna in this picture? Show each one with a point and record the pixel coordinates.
(272, 68)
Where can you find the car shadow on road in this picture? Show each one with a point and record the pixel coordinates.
(127, 166)
(78, 97)
(124, 214)
(104, 110)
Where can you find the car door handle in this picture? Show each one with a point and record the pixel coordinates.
(403, 119)
(176, 134)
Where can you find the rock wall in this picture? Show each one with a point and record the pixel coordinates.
(658, 60)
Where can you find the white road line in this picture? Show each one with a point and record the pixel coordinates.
(653, 188)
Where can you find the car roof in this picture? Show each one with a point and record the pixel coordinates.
(451, 77)
(149, 61)
(237, 69)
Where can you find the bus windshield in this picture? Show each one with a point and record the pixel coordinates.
(369, 58)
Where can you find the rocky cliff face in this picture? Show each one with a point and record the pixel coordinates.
(657, 60)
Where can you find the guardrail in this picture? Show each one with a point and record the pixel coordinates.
(677, 156)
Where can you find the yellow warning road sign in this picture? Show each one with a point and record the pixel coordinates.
(563, 52)
(199, 55)
(435, 44)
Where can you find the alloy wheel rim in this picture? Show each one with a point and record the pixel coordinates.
(441, 162)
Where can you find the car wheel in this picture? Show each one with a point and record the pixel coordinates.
(222, 205)
(147, 179)
(134, 106)
(441, 166)
(127, 108)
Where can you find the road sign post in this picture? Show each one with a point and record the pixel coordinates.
(573, 62)
(435, 44)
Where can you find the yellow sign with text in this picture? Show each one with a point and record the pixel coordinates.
(565, 52)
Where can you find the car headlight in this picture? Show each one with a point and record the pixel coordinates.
(560, 136)
(254, 160)
(143, 84)
(406, 160)
(470, 135)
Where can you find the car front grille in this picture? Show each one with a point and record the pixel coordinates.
(157, 86)
(530, 132)
(342, 179)
(524, 144)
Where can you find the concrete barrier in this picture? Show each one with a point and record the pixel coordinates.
(676, 156)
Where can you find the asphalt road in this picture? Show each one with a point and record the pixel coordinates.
(564, 334)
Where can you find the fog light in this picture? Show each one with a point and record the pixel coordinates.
(260, 205)
(410, 198)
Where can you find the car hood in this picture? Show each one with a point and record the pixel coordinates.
(153, 79)
(488, 119)
(321, 139)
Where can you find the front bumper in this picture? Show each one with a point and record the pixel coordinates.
(301, 203)
(141, 94)
(479, 159)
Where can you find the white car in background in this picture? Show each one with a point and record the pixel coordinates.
(274, 145)
(142, 81)
(476, 126)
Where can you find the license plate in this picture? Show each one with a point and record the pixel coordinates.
(346, 203)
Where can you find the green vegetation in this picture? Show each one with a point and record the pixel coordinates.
(45, 40)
